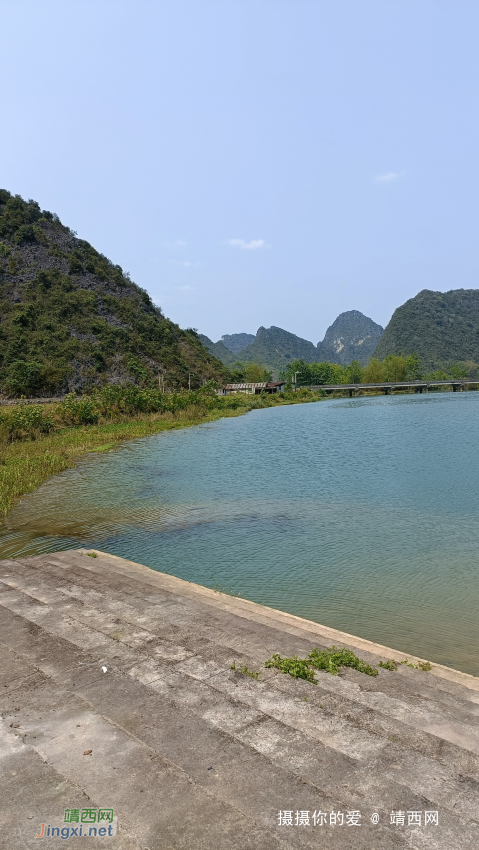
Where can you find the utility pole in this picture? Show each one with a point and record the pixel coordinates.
(189, 381)
(295, 381)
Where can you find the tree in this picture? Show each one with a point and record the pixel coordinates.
(321, 373)
(249, 373)
(413, 367)
(458, 371)
(395, 367)
(354, 372)
(255, 373)
(374, 372)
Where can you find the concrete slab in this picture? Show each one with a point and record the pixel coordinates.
(116, 692)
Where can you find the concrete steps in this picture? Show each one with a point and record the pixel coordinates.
(193, 754)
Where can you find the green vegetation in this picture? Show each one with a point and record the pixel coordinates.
(249, 373)
(389, 665)
(253, 674)
(299, 668)
(394, 367)
(72, 320)
(330, 660)
(442, 327)
(421, 665)
(218, 350)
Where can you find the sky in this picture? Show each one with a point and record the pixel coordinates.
(253, 162)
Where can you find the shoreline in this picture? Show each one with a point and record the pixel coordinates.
(26, 464)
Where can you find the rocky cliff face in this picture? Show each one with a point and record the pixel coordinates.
(352, 336)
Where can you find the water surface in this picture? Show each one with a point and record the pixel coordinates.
(361, 514)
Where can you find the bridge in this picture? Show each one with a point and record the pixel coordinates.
(388, 386)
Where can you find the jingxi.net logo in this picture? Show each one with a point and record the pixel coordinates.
(88, 823)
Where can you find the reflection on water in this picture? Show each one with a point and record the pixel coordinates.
(361, 514)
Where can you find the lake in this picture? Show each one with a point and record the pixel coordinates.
(361, 514)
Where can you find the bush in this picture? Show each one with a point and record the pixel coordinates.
(24, 377)
(75, 411)
(25, 233)
(26, 421)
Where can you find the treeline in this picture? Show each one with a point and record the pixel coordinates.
(394, 367)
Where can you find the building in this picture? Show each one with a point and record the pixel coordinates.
(254, 389)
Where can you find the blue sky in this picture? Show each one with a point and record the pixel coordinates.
(253, 163)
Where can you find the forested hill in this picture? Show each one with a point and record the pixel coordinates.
(70, 319)
(441, 327)
(276, 348)
(218, 350)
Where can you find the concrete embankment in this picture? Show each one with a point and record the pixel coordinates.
(118, 694)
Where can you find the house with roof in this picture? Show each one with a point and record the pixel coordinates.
(253, 388)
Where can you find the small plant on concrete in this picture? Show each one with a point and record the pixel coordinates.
(299, 668)
(332, 659)
(92, 555)
(421, 665)
(253, 674)
(329, 660)
(389, 665)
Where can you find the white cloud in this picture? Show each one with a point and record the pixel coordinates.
(388, 177)
(187, 264)
(247, 246)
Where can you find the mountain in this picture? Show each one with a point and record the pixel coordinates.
(218, 350)
(275, 348)
(441, 327)
(236, 342)
(70, 319)
(352, 336)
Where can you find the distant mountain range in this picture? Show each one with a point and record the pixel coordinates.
(441, 327)
(352, 336)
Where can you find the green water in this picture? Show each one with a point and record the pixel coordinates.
(361, 514)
